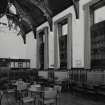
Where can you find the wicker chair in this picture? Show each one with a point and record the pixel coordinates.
(26, 98)
(48, 97)
(59, 89)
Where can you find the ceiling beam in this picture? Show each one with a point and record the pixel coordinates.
(76, 7)
(24, 17)
(43, 6)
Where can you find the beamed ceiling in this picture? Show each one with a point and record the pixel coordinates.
(32, 13)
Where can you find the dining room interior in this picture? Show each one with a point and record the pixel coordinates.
(52, 52)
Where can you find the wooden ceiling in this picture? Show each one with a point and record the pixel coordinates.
(32, 14)
(59, 5)
(55, 6)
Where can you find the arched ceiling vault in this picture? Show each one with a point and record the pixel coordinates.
(32, 13)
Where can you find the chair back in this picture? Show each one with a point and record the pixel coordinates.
(48, 88)
(58, 88)
(21, 85)
(50, 94)
(35, 87)
(1, 94)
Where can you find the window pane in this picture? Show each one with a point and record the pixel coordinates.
(65, 29)
(43, 38)
(12, 64)
(99, 14)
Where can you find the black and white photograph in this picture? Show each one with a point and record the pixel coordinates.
(52, 52)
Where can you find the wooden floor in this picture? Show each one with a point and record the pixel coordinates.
(66, 99)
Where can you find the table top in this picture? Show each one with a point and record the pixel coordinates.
(39, 89)
(35, 90)
(24, 83)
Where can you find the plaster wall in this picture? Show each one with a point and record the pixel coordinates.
(11, 45)
(77, 36)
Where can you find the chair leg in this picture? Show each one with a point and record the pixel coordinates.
(22, 102)
(19, 103)
(34, 102)
(56, 101)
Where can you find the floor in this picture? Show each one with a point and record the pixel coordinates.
(69, 99)
(66, 99)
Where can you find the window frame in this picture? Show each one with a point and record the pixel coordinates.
(88, 22)
(61, 35)
(69, 42)
(46, 47)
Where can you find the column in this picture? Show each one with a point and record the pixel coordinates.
(69, 42)
(56, 47)
(46, 49)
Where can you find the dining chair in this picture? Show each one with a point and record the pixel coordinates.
(59, 89)
(11, 93)
(21, 90)
(1, 96)
(48, 97)
(26, 98)
(33, 89)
